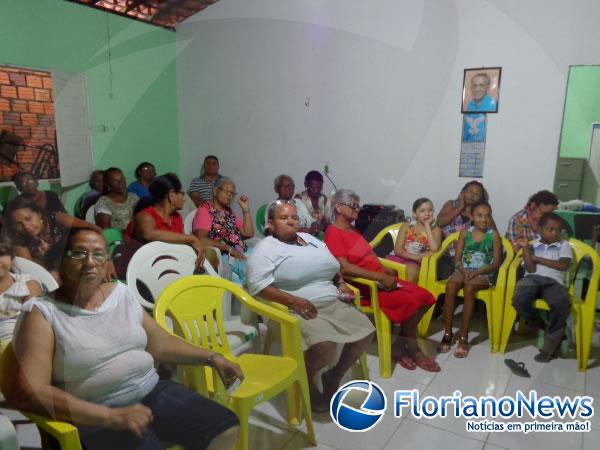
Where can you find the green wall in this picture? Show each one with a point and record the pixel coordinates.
(131, 82)
(582, 108)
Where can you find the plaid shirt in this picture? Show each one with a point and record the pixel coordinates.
(519, 226)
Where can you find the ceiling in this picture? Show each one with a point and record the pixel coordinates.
(163, 13)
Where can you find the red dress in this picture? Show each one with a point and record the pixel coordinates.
(399, 304)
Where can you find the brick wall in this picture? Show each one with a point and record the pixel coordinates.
(27, 109)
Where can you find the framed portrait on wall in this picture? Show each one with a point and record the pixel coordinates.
(481, 90)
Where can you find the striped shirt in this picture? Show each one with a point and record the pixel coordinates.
(203, 187)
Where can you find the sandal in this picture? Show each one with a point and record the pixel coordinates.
(462, 348)
(446, 343)
(406, 361)
(518, 368)
(428, 364)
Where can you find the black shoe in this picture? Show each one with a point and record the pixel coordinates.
(542, 357)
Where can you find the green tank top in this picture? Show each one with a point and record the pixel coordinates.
(478, 254)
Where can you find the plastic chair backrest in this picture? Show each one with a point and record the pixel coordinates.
(260, 219)
(189, 220)
(391, 230)
(196, 311)
(188, 206)
(90, 215)
(156, 265)
(39, 273)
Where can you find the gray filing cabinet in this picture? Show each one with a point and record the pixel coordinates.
(569, 175)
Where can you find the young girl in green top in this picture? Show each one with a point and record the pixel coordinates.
(478, 256)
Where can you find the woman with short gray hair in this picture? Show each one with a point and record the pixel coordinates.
(284, 187)
(404, 303)
(296, 270)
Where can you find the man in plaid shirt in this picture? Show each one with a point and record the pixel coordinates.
(523, 226)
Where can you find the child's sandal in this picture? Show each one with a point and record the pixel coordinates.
(446, 343)
(462, 348)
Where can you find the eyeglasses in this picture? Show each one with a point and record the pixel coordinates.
(353, 206)
(232, 193)
(80, 255)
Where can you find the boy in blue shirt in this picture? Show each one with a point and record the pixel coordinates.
(547, 261)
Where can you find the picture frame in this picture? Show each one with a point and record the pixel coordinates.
(481, 90)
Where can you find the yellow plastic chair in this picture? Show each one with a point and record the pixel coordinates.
(583, 309)
(393, 231)
(493, 297)
(271, 333)
(65, 433)
(194, 304)
(383, 326)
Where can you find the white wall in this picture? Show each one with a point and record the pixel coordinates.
(374, 88)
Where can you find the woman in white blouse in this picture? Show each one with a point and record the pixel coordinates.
(296, 270)
(87, 355)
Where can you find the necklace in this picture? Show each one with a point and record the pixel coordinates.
(296, 241)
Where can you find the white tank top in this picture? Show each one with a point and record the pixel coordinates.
(100, 356)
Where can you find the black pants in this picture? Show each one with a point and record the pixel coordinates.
(556, 295)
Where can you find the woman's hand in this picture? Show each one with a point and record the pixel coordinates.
(304, 308)
(315, 228)
(237, 254)
(199, 255)
(134, 418)
(388, 281)
(228, 371)
(346, 294)
(461, 201)
(243, 202)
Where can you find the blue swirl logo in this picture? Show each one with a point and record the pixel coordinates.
(358, 406)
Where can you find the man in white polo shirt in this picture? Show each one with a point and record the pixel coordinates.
(547, 261)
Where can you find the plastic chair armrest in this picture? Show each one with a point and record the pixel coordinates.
(399, 268)
(64, 432)
(289, 325)
(372, 285)
(275, 305)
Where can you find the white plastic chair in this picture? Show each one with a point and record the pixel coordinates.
(40, 274)
(90, 215)
(8, 434)
(157, 264)
(188, 205)
(189, 219)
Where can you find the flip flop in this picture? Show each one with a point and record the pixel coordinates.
(407, 362)
(428, 364)
(518, 368)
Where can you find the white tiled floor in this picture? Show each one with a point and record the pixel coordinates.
(482, 373)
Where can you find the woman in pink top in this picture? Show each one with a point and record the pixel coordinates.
(216, 225)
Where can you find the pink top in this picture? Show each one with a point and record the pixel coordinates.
(203, 221)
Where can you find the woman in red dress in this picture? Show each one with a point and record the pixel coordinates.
(402, 302)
